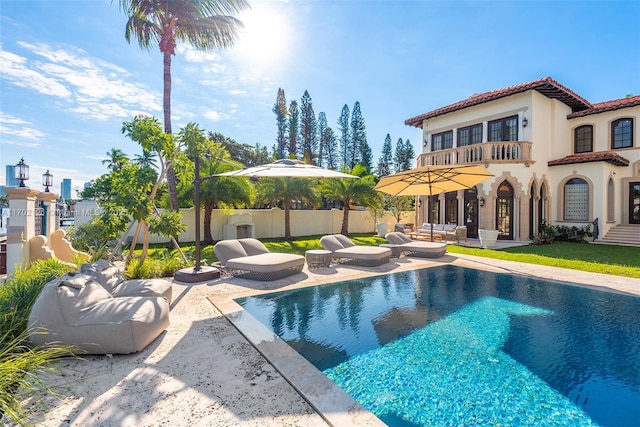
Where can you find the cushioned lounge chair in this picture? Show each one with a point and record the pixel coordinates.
(110, 278)
(345, 251)
(417, 248)
(77, 310)
(250, 259)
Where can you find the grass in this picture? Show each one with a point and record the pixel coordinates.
(607, 259)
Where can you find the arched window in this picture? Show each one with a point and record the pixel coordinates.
(576, 200)
(622, 133)
(583, 139)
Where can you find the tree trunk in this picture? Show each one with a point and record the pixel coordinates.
(287, 221)
(133, 243)
(120, 242)
(145, 244)
(208, 239)
(166, 104)
(345, 220)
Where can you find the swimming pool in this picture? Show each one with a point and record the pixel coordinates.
(457, 346)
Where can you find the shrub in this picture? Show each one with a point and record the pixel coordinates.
(19, 363)
(160, 263)
(19, 292)
(561, 233)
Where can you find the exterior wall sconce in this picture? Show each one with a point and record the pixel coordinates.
(21, 172)
(47, 180)
(424, 143)
(419, 202)
(482, 202)
(525, 122)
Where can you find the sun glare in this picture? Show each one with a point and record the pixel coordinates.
(265, 37)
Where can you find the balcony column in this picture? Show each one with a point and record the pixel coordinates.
(21, 225)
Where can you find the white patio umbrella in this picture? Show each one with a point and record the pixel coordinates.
(286, 168)
(432, 180)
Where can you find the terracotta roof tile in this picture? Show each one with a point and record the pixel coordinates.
(546, 86)
(601, 107)
(603, 156)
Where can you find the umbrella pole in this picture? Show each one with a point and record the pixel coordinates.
(431, 210)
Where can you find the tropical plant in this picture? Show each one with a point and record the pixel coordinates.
(351, 192)
(283, 191)
(398, 204)
(213, 158)
(116, 159)
(205, 24)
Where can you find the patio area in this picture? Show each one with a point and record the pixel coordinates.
(202, 371)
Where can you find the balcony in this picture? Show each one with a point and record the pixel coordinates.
(487, 153)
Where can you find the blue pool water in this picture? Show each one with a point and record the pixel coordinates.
(449, 346)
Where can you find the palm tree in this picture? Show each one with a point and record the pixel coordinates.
(205, 24)
(351, 192)
(283, 191)
(116, 159)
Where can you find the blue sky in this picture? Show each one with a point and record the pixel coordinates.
(68, 78)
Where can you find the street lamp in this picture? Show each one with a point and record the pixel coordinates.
(21, 172)
(47, 180)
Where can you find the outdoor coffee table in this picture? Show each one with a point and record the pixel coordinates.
(318, 258)
(396, 250)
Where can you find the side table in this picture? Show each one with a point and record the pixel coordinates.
(318, 258)
(396, 250)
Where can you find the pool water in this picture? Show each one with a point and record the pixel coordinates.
(456, 346)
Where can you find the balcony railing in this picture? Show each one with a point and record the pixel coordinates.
(487, 153)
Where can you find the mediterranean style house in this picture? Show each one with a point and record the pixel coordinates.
(555, 156)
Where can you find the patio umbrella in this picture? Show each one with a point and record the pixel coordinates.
(431, 180)
(286, 168)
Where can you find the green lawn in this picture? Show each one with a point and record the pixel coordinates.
(608, 259)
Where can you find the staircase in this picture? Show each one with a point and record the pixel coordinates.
(622, 235)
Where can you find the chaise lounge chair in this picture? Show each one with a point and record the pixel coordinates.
(345, 251)
(250, 259)
(417, 248)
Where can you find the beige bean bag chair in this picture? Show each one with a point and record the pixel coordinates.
(110, 277)
(250, 259)
(345, 251)
(417, 248)
(77, 310)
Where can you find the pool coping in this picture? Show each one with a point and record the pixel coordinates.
(332, 403)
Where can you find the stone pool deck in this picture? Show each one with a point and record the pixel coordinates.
(203, 372)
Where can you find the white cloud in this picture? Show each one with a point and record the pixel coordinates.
(214, 115)
(14, 69)
(93, 87)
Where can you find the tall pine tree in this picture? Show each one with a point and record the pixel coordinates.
(330, 151)
(345, 136)
(409, 155)
(322, 145)
(280, 110)
(308, 129)
(359, 139)
(385, 162)
(398, 157)
(294, 123)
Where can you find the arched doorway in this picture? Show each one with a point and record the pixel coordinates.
(533, 229)
(471, 212)
(451, 208)
(504, 211)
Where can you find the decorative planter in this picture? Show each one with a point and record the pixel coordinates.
(488, 238)
(382, 229)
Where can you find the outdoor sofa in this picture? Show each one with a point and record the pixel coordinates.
(250, 259)
(446, 231)
(76, 310)
(345, 251)
(417, 248)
